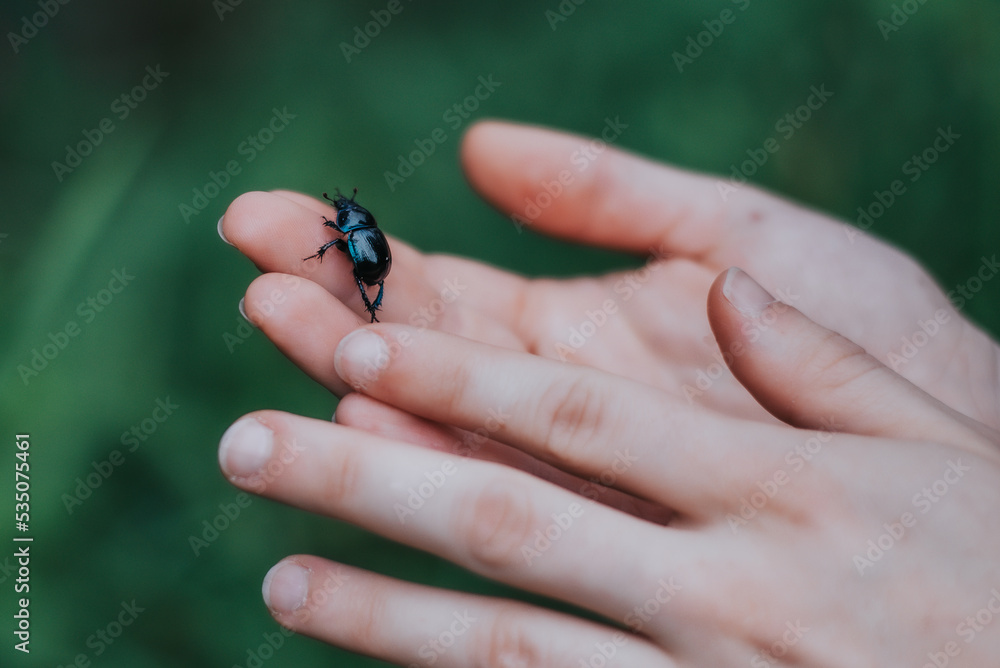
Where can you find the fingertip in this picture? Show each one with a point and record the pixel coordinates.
(245, 448)
(745, 294)
(501, 156)
(813, 377)
(286, 586)
(242, 218)
(360, 357)
(477, 152)
(268, 295)
(483, 134)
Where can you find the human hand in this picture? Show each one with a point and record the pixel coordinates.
(659, 333)
(868, 543)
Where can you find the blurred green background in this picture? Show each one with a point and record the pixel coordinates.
(169, 335)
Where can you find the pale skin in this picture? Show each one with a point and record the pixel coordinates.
(810, 507)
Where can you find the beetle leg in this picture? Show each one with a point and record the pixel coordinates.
(333, 224)
(364, 297)
(339, 243)
(378, 300)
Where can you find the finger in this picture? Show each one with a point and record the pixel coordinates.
(304, 321)
(490, 291)
(591, 423)
(606, 197)
(277, 230)
(414, 625)
(362, 412)
(810, 376)
(491, 519)
(611, 198)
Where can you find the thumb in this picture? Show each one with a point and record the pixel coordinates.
(811, 377)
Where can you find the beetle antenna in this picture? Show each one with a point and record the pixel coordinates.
(328, 197)
(354, 195)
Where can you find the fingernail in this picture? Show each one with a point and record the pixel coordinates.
(360, 357)
(243, 311)
(745, 294)
(221, 235)
(286, 586)
(245, 448)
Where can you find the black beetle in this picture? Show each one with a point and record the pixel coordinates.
(364, 244)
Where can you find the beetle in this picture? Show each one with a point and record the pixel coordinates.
(364, 244)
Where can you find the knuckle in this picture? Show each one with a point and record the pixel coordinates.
(509, 640)
(457, 378)
(840, 363)
(364, 618)
(343, 477)
(602, 185)
(575, 414)
(496, 521)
